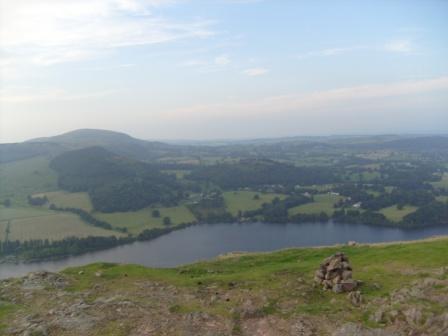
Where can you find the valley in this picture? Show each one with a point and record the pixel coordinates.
(57, 192)
(223, 168)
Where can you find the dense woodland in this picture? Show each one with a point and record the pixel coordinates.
(255, 173)
(114, 183)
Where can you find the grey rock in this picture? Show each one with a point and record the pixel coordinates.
(337, 288)
(413, 316)
(353, 329)
(349, 285)
(355, 298)
(378, 316)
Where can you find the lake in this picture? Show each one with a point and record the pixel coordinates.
(206, 241)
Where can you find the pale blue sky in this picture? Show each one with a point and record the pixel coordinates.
(161, 69)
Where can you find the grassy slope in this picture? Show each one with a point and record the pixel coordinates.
(5, 310)
(322, 203)
(33, 176)
(388, 265)
(281, 282)
(396, 215)
(19, 179)
(382, 268)
(137, 221)
(244, 200)
(278, 284)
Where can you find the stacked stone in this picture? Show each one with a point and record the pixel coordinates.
(335, 273)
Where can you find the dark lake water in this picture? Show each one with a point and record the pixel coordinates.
(206, 241)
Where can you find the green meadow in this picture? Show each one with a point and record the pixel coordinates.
(53, 226)
(79, 200)
(137, 221)
(19, 179)
(395, 215)
(443, 183)
(245, 200)
(322, 203)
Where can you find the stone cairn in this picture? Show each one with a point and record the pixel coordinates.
(335, 273)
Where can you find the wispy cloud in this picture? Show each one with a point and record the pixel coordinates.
(253, 72)
(395, 46)
(19, 95)
(208, 65)
(328, 100)
(330, 51)
(47, 32)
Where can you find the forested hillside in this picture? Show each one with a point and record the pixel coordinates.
(254, 173)
(114, 183)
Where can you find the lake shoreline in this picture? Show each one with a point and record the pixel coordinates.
(203, 242)
(18, 259)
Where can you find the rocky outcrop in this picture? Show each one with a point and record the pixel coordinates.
(335, 273)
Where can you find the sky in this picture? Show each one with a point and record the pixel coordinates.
(222, 69)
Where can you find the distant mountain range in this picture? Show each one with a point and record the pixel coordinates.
(125, 145)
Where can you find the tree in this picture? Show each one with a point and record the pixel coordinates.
(166, 221)
(37, 201)
(155, 213)
(256, 197)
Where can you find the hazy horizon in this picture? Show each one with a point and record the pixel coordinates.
(228, 69)
(242, 139)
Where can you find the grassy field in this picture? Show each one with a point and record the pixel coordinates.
(322, 203)
(364, 176)
(443, 183)
(442, 198)
(19, 179)
(396, 215)
(23, 212)
(373, 193)
(180, 174)
(54, 226)
(137, 221)
(244, 200)
(321, 187)
(80, 200)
